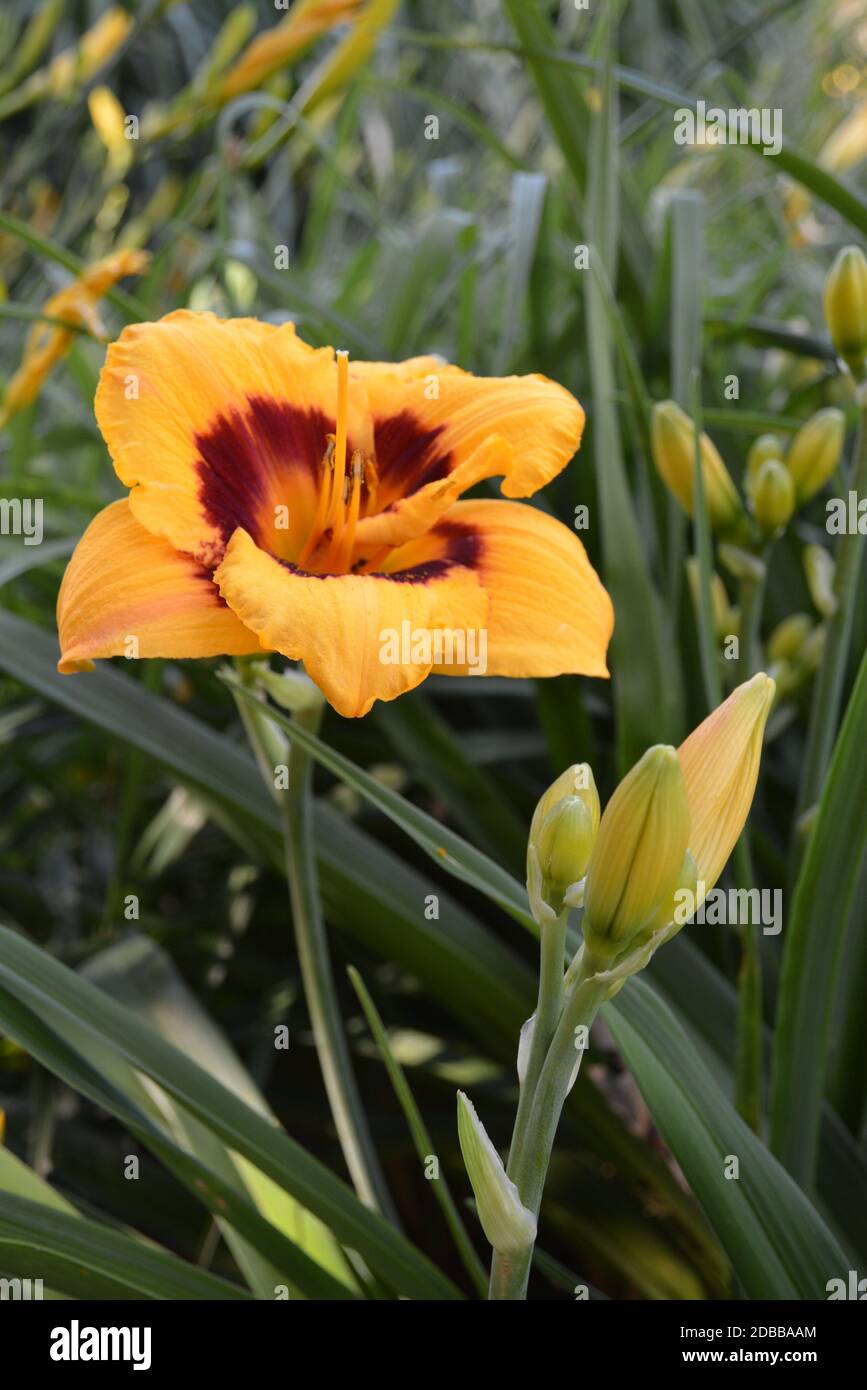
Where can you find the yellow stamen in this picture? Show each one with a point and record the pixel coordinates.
(336, 504)
(340, 551)
(321, 504)
(330, 502)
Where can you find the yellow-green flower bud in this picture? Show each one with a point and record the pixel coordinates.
(564, 844)
(672, 439)
(740, 563)
(846, 306)
(679, 904)
(810, 655)
(718, 597)
(773, 496)
(815, 451)
(574, 784)
(820, 570)
(767, 446)
(639, 850)
(557, 853)
(787, 638)
(577, 780)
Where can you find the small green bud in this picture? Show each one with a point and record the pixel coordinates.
(643, 837)
(773, 496)
(561, 835)
(766, 446)
(509, 1226)
(564, 843)
(577, 780)
(672, 440)
(718, 597)
(846, 306)
(820, 570)
(810, 655)
(787, 638)
(740, 563)
(815, 451)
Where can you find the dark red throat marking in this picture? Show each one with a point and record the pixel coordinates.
(242, 454)
(407, 456)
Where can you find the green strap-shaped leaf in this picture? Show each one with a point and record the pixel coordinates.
(139, 974)
(87, 1260)
(823, 901)
(777, 1242)
(108, 1088)
(644, 659)
(446, 848)
(466, 967)
(429, 747)
(32, 976)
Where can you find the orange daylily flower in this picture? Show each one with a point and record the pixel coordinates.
(286, 499)
(76, 305)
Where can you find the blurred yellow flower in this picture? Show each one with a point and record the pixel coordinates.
(109, 122)
(267, 52)
(78, 64)
(845, 302)
(75, 305)
(847, 145)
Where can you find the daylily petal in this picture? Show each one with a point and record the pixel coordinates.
(549, 613)
(362, 637)
(429, 419)
(122, 583)
(415, 514)
(217, 424)
(720, 761)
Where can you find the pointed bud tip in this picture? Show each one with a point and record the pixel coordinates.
(509, 1226)
(761, 686)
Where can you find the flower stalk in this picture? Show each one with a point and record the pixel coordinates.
(314, 958)
(531, 1151)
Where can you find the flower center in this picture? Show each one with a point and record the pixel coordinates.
(329, 545)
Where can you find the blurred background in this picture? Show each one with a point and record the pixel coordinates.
(403, 177)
